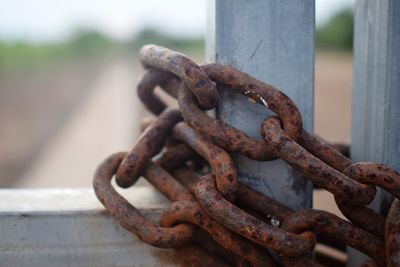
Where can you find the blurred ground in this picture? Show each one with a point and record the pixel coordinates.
(333, 80)
(102, 115)
(34, 106)
(107, 121)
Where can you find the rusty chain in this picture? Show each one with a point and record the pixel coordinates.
(186, 155)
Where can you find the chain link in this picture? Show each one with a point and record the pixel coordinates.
(214, 215)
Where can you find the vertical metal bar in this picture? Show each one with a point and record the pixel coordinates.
(376, 91)
(272, 40)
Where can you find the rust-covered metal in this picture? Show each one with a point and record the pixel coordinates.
(264, 205)
(150, 80)
(392, 235)
(183, 67)
(219, 132)
(165, 183)
(326, 152)
(319, 222)
(368, 263)
(188, 178)
(149, 144)
(245, 196)
(262, 93)
(145, 89)
(176, 156)
(312, 167)
(331, 226)
(247, 225)
(304, 261)
(219, 221)
(129, 217)
(343, 148)
(220, 161)
(189, 211)
(362, 216)
(195, 256)
(204, 240)
(375, 174)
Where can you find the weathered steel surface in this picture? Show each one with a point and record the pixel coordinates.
(52, 227)
(376, 94)
(273, 41)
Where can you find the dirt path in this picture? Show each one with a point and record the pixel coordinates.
(34, 104)
(106, 123)
(333, 80)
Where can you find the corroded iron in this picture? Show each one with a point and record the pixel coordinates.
(195, 256)
(219, 219)
(129, 217)
(330, 154)
(268, 208)
(313, 168)
(366, 173)
(220, 161)
(189, 211)
(204, 240)
(362, 216)
(150, 143)
(392, 235)
(219, 132)
(247, 225)
(150, 80)
(319, 222)
(376, 175)
(145, 89)
(368, 263)
(260, 92)
(331, 226)
(176, 156)
(183, 67)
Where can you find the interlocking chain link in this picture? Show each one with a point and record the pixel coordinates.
(211, 210)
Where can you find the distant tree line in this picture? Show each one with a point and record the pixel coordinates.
(337, 34)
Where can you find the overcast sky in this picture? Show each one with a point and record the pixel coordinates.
(48, 20)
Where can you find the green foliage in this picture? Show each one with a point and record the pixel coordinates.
(337, 33)
(89, 43)
(152, 36)
(26, 56)
(86, 44)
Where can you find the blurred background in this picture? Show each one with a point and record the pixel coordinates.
(68, 71)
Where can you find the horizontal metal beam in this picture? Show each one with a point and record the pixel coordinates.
(50, 227)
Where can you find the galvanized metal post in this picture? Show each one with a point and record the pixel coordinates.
(376, 91)
(272, 40)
